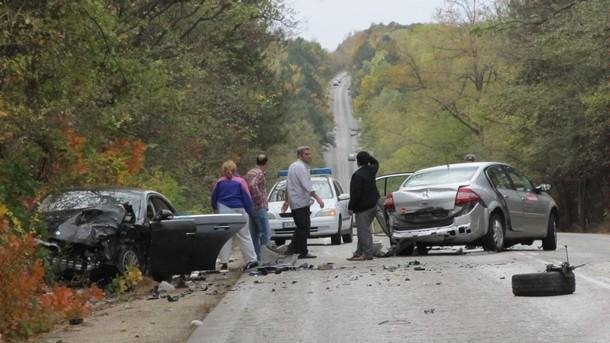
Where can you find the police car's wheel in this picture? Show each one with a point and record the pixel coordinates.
(336, 238)
(348, 237)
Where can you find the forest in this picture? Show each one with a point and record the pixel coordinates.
(521, 82)
(158, 93)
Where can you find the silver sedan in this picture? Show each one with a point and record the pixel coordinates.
(482, 203)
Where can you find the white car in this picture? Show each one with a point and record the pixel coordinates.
(332, 221)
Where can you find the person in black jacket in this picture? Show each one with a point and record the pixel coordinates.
(363, 202)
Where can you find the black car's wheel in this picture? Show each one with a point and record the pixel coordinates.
(336, 238)
(550, 242)
(161, 277)
(494, 238)
(280, 241)
(127, 258)
(422, 248)
(543, 284)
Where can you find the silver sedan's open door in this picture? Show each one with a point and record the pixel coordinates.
(182, 244)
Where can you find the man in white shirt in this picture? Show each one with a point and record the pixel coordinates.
(299, 191)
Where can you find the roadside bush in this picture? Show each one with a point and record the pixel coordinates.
(27, 305)
(125, 282)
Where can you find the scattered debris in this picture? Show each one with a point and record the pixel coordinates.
(397, 321)
(419, 268)
(76, 321)
(173, 298)
(196, 323)
(165, 287)
(326, 266)
(429, 311)
(390, 268)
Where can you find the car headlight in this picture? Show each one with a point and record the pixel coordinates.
(270, 215)
(327, 212)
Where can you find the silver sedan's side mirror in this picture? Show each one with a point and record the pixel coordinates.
(351, 157)
(545, 187)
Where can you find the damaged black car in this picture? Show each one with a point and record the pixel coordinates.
(96, 231)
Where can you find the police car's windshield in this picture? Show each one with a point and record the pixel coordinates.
(321, 186)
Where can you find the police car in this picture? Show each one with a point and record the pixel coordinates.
(331, 221)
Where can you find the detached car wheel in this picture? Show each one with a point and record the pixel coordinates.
(550, 242)
(494, 238)
(543, 284)
(127, 257)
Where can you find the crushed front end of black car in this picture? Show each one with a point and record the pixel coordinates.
(91, 239)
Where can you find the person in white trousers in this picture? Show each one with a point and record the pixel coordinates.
(231, 195)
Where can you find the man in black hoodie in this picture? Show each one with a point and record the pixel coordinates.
(363, 202)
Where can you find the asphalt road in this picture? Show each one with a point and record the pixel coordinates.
(456, 298)
(346, 131)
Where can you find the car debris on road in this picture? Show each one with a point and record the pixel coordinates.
(555, 280)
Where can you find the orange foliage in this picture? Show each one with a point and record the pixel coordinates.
(70, 303)
(116, 163)
(24, 308)
(134, 150)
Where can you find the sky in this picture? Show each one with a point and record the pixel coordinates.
(330, 21)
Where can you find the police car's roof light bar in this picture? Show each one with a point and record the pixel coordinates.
(312, 171)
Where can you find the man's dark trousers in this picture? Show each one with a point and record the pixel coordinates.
(301, 233)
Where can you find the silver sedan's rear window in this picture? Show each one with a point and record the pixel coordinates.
(440, 177)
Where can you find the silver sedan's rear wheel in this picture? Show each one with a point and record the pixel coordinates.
(550, 242)
(494, 239)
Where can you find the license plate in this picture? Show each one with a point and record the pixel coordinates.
(288, 225)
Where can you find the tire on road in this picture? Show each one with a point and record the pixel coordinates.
(550, 242)
(422, 248)
(494, 238)
(336, 238)
(348, 237)
(543, 284)
(403, 248)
